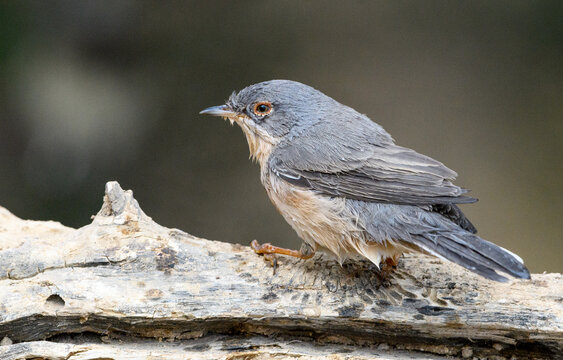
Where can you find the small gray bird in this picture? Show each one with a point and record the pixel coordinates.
(344, 186)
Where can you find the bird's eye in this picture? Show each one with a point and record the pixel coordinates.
(262, 108)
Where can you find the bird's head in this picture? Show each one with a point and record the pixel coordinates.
(269, 111)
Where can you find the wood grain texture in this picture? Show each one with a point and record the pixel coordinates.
(126, 287)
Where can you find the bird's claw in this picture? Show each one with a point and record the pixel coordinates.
(265, 250)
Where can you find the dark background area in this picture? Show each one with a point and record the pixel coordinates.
(92, 91)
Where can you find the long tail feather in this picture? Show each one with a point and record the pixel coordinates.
(443, 232)
(473, 253)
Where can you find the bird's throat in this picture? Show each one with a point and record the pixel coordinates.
(260, 143)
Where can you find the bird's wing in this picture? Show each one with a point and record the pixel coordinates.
(344, 162)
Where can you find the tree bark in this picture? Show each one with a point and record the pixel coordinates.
(125, 287)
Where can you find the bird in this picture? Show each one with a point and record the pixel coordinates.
(347, 189)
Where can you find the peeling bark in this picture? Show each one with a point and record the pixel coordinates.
(126, 287)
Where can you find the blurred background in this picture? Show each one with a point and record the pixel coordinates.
(92, 91)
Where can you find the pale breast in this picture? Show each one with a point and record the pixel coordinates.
(324, 222)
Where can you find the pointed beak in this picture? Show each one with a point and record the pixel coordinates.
(221, 110)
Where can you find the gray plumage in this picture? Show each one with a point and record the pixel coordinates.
(439, 236)
(396, 193)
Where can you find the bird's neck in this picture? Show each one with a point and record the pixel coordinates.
(260, 144)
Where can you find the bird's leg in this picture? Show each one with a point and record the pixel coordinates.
(389, 264)
(306, 251)
(393, 261)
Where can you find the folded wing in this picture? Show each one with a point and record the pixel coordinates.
(355, 166)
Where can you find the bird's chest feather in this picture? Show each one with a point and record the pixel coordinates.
(325, 222)
(319, 220)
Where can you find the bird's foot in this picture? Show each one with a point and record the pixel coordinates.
(273, 260)
(392, 261)
(269, 251)
(388, 265)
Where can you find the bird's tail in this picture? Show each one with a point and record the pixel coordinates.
(473, 253)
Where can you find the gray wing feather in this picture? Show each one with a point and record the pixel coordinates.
(453, 213)
(341, 161)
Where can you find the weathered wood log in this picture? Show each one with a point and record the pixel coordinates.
(126, 287)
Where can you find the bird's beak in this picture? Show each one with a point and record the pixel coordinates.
(221, 110)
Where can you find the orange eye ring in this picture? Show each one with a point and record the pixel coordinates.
(262, 108)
